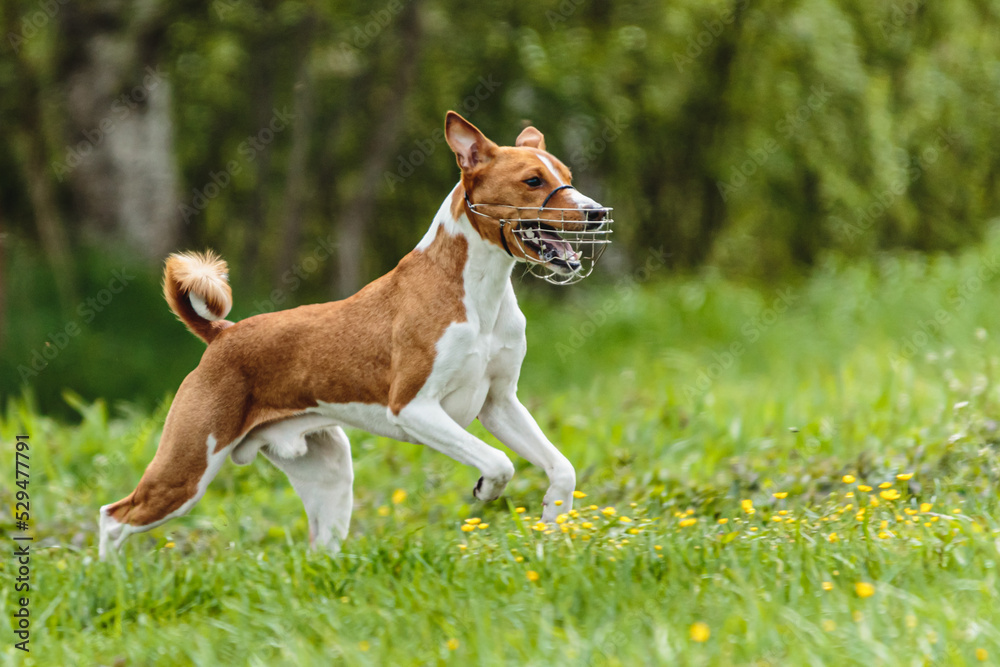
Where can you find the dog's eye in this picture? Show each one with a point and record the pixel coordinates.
(533, 182)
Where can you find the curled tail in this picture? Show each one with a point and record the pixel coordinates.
(195, 285)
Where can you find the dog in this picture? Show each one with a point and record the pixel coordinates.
(416, 355)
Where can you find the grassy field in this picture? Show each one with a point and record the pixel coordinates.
(803, 475)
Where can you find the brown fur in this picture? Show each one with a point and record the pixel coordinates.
(203, 274)
(377, 346)
(497, 174)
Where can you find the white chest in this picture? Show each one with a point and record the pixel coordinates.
(473, 356)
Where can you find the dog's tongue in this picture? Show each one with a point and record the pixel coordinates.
(560, 249)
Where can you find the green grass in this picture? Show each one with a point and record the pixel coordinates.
(845, 381)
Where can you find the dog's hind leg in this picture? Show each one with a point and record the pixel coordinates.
(324, 479)
(186, 461)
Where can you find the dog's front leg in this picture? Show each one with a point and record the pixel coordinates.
(512, 424)
(427, 422)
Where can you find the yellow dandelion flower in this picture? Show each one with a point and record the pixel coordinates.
(364, 646)
(776, 519)
(483, 526)
(926, 507)
(848, 479)
(593, 507)
(558, 503)
(874, 502)
(864, 487)
(690, 521)
(753, 529)
(746, 504)
(885, 485)
(587, 524)
(700, 632)
(658, 547)
(882, 535)
(539, 526)
(532, 575)
(829, 625)
(864, 589)
(781, 495)
(634, 531)
(890, 494)
(982, 655)
(519, 559)
(782, 512)
(904, 476)
(452, 644)
(562, 518)
(625, 519)
(832, 537)
(827, 585)
(398, 496)
(956, 511)
(170, 545)
(473, 521)
(849, 494)
(579, 494)
(910, 511)
(609, 511)
(462, 547)
(723, 521)
(383, 510)
(468, 527)
(520, 510)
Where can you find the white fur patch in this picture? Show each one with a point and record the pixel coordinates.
(201, 307)
(552, 170)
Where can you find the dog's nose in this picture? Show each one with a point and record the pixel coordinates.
(595, 214)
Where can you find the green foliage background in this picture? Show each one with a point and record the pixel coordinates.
(751, 137)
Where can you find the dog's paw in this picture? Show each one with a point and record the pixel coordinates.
(486, 490)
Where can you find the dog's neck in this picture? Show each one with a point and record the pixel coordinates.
(487, 270)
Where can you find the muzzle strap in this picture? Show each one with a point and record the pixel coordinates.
(561, 187)
(503, 225)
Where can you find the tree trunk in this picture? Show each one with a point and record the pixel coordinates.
(120, 159)
(359, 210)
(296, 184)
(28, 139)
(262, 62)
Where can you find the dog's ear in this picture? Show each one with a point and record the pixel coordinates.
(531, 138)
(471, 147)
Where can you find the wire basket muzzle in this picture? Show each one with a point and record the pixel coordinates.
(562, 246)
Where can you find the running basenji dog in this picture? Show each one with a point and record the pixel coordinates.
(416, 355)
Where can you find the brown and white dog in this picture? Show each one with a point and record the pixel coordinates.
(416, 355)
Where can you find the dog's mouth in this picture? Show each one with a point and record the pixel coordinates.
(550, 248)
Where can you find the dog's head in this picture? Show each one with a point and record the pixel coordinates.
(521, 199)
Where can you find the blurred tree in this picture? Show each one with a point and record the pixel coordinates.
(120, 158)
(303, 140)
